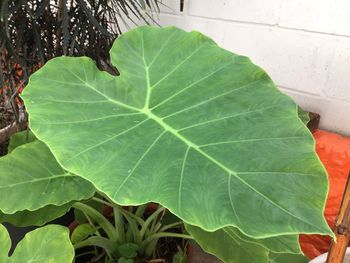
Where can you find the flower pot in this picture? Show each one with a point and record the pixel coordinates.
(323, 257)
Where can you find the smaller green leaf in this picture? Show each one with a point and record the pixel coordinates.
(230, 249)
(287, 258)
(19, 139)
(47, 244)
(81, 232)
(124, 260)
(5, 244)
(79, 215)
(31, 179)
(231, 246)
(128, 250)
(36, 218)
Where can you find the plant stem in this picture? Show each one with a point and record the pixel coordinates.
(123, 211)
(99, 218)
(133, 227)
(145, 243)
(166, 227)
(85, 253)
(141, 210)
(156, 228)
(149, 220)
(126, 213)
(119, 224)
(101, 201)
(92, 223)
(102, 242)
(97, 232)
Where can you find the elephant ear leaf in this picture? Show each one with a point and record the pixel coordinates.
(47, 244)
(187, 124)
(231, 246)
(36, 218)
(31, 179)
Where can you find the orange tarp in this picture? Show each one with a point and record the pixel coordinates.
(334, 152)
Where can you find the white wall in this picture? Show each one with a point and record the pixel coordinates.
(303, 44)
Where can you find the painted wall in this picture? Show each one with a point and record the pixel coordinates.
(303, 45)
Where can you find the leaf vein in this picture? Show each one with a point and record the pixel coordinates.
(249, 140)
(105, 141)
(138, 163)
(181, 178)
(213, 98)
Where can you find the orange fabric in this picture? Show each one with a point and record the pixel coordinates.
(334, 152)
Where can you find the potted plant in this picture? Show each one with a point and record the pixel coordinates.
(188, 125)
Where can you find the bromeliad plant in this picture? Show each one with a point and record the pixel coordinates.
(191, 126)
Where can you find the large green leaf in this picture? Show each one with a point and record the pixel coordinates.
(31, 179)
(49, 244)
(201, 130)
(36, 218)
(231, 246)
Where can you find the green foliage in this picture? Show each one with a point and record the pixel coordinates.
(82, 232)
(43, 245)
(134, 235)
(287, 258)
(20, 138)
(180, 257)
(231, 246)
(36, 218)
(205, 131)
(31, 179)
(187, 124)
(34, 31)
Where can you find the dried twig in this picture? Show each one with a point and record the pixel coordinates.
(342, 229)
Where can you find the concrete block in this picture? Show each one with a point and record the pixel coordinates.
(316, 15)
(256, 11)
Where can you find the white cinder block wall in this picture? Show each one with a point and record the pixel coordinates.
(304, 45)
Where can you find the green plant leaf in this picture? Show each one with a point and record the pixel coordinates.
(287, 258)
(303, 115)
(180, 257)
(81, 232)
(128, 250)
(35, 218)
(231, 246)
(5, 244)
(31, 179)
(124, 260)
(47, 244)
(80, 217)
(187, 124)
(20, 138)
